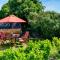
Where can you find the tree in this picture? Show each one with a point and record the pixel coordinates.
(45, 24)
(22, 8)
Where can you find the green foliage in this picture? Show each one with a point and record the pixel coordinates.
(36, 50)
(22, 8)
(46, 24)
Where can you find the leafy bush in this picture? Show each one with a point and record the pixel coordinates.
(36, 50)
(45, 25)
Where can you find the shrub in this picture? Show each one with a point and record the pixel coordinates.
(36, 50)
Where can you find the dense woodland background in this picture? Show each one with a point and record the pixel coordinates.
(41, 24)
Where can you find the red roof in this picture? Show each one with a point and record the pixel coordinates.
(12, 19)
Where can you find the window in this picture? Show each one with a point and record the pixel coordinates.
(10, 25)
